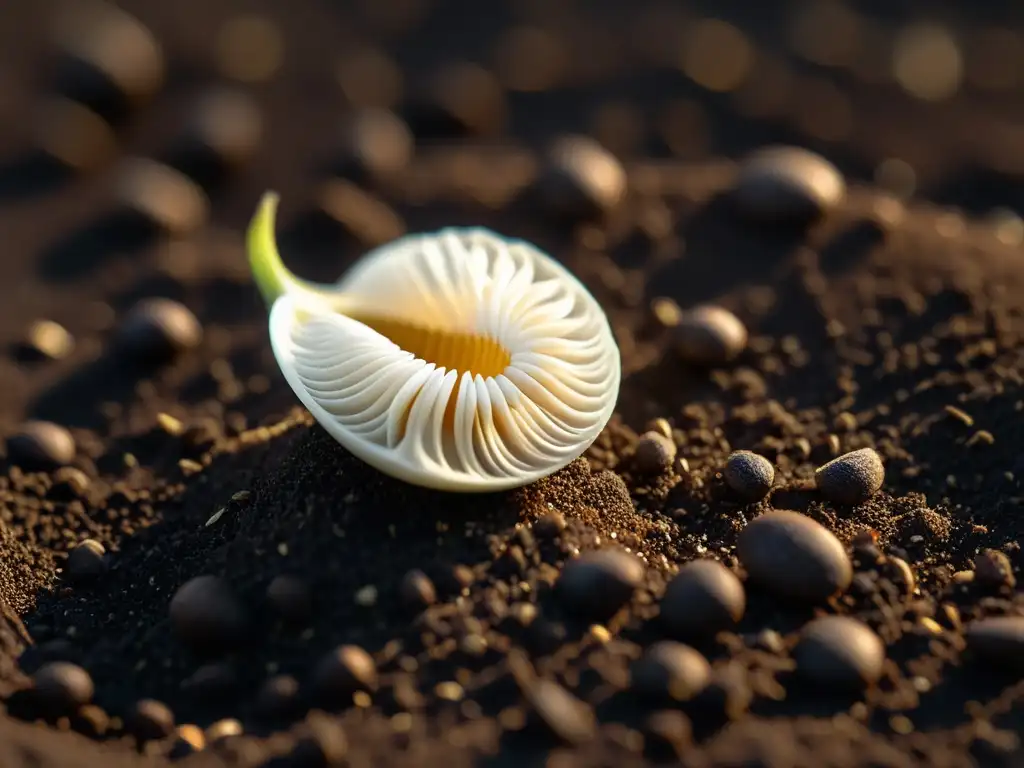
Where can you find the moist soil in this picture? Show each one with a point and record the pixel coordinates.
(886, 325)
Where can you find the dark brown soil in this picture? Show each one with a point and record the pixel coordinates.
(884, 325)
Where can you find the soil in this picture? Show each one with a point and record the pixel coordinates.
(890, 324)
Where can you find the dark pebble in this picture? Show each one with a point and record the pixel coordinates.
(41, 445)
(74, 136)
(91, 721)
(159, 329)
(150, 720)
(342, 672)
(852, 478)
(709, 335)
(701, 600)
(460, 99)
(749, 474)
(376, 143)
(216, 682)
(670, 669)
(568, 718)
(321, 743)
(581, 179)
(998, 641)
(278, 698)
(787, 184)
(86, 561)
(597, 584)
(60, 688)
(290, 598)
(667, 735)
(159, 198)
(206, 615)
(654, 454)
(224, 131)
(550, 525)
(417, 591)
(792, 556)
(837, 651)
(993, 570)
(69, 483)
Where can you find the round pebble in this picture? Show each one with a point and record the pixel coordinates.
(41, 445)
(73, 135)
(161, 197)
(993, 570)
(792, 556)
(671, 669)
(581, 179)
(598, 584)
(709, 335)
(667, 735)
(852, 478)
(159, 328)
(49, 339)
(375, 143)
(839, 651)
(701, 600)
(342, 672)
(568, 718)
(290, 598)
(461, 98)
(150, 720)
(417, 591)
(549, 525)
(206, 615)
(69, 483)
(998, 641)
(224, 131)
(654, 454)
(749, 475)
(86, 561)
(787, 184)
(60, 687)
(278, 697)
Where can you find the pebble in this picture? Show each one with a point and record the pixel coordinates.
(654, 454)
(749, 474)
(161, 197)
(73, 135)
(159, 329)
(41, 445)
(150, 720)
(206, 615)
(69, 483)
(341, 673)
(60, 687)
(290, 598)
(417, 591)
(86, 561)
(581, 179)
(278, 697)
(49, 339)
(322, 743)
(550, 525)
(792, 556)
(852, 478)
(787, 184)
(568, 718)
(461, 98)
(597, 584)
(223, 132)
(702, 599)
(376, 143)
(709, 335)
(667, 735)
(993, 570)
(998, 641)
(839, 651)
(670, 669)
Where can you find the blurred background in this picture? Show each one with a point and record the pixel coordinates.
(121, 122)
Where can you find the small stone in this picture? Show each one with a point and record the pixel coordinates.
(41, 445)
(214, 682)
(581, 180)
(459, 99)
(206, 615)
(49, 339)
(665, 312)
(597, 584)
(701, 600)
(670, 669)
(223, 132)
(993, 570)
(709, 335)
(839, 651)
(278, 697)
(376, 143)
(549, 525)
(568, 718)
(189, 739)
(417, 591)
(749, 474)
(86, 561)
(792, 556)
(161, 197)
(654, 454)
(150, 720)
(73, 135)
(290, 599)
(60, 688)
(159, 329)
(787, 184)
(852, 478)
(341, 673)
(667, 735)
(69, 483)
(998, 641)
(321, 742)
(223, 729)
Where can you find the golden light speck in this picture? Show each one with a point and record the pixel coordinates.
(529, 59)
(249, 48)
(896, 176)
(826, 33)
(716, 55)
(927, 62)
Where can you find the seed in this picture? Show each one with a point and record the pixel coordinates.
(582, 179)
(41, 445)
(852, 478)
(654, 454)
(159, 328)
(787, 184)
(709, 335)
(749, 474)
